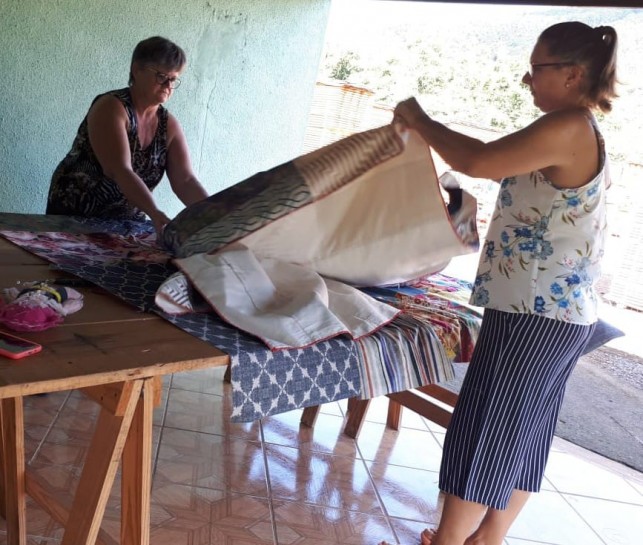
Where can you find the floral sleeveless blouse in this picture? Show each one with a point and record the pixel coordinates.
(80, 188)
(543, 249)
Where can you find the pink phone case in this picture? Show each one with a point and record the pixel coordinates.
(15, 347)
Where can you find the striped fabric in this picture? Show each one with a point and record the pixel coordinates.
(405, 354)
(502, 427)
(415, 350)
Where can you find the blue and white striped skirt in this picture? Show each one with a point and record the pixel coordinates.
(503, 423)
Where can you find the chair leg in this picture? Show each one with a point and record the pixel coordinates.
(394, 415)
(309, 416)
(356, 415)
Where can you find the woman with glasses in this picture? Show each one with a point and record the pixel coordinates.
(536, 277)
(125, 144)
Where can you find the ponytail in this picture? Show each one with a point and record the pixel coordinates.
(592, 48)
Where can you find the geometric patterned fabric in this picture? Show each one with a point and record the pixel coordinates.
(121, 257)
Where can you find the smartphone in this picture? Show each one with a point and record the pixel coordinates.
(15, 348)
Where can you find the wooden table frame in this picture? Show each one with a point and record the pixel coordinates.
(117, 356)
(431, 401)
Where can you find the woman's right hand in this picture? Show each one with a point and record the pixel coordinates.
(159, 220)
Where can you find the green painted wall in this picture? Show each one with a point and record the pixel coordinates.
(243, 103)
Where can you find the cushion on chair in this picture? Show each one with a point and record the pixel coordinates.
(603, 333)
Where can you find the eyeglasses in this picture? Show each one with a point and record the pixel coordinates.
(544, 64)
(164, 79)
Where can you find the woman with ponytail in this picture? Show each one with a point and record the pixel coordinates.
(536, 280)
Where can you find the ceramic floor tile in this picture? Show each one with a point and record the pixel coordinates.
(326, 436)
(408, 531)
(40, 526)
(76, 421)
(636, 484)
(322, 479)
(571, 475)
(206, 413)
(406, 492)
(178, 525)
(211, 461)
(38, 410)
(303, 524)
(406, 447)
(40, 413)
(549, 518)
(634, 477)
(438, 435)
(334, 408)
(242, 519)
(212, 488)
(616, 523)
(181, 514)
(377, 410)
(61, 452)
(79, 402)
(191, 515)
(436, 428)
(205, 381)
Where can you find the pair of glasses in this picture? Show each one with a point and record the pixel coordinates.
(164, 79)
(544, 64)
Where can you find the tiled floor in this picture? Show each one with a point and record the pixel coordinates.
(274, 482)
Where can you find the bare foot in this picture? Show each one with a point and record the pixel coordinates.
(427, 536)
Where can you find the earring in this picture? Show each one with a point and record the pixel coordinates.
(567, 86)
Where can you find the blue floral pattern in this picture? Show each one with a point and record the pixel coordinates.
(543, 249)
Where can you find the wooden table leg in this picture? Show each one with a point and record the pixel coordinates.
(99, 471)
(136, 481)
(13, 469)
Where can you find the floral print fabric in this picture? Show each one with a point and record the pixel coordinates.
(80, 188)
(543, 249)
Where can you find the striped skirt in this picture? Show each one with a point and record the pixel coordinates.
(504, 421)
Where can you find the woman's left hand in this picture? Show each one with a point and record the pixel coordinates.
(410, 113)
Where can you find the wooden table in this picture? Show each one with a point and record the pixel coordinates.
(117, 355)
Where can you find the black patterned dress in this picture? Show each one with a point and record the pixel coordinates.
(79, 186)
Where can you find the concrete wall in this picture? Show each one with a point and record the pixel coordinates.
(243, 103)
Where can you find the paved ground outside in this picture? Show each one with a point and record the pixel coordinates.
(603, 407)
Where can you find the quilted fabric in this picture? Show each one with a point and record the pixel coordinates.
(367, 210)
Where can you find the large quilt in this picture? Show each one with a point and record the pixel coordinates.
(121, 257)
(367, 210)
(279, 254)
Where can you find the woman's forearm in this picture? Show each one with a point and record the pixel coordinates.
(458, 150)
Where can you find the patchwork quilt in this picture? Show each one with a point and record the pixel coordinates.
(121, 258)
(368, 211)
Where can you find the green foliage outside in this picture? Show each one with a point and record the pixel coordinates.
(464, 63)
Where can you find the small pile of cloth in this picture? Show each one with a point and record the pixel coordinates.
(36, 306)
